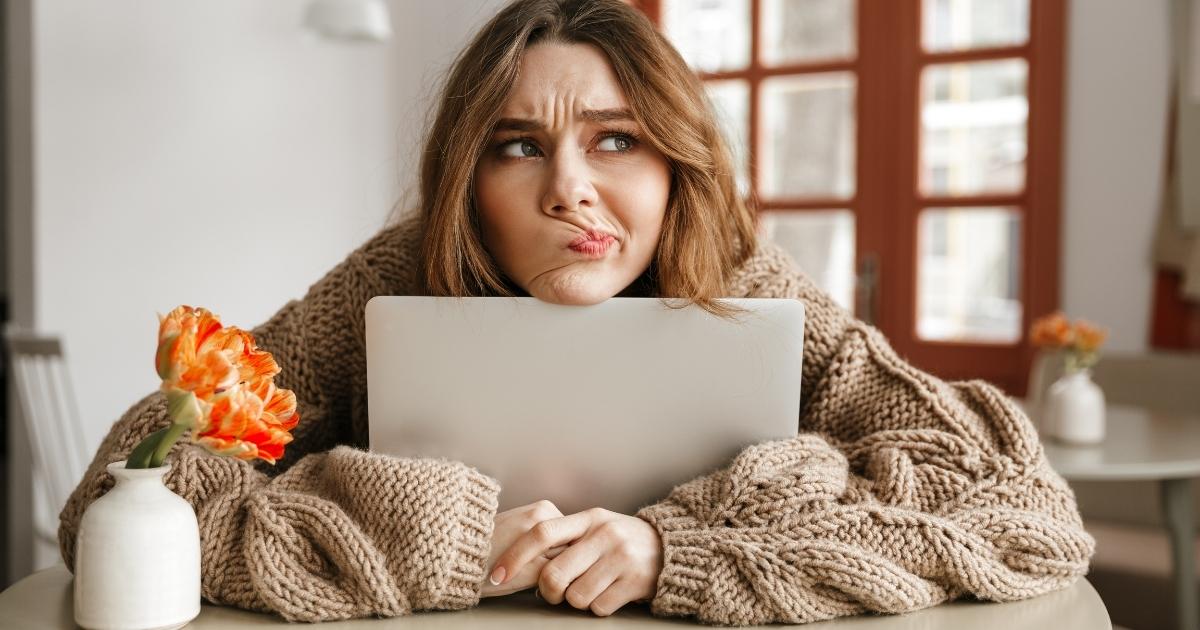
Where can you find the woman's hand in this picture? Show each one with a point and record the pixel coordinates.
(509, 526)
(611, 559)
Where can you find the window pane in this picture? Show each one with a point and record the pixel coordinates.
(731, 102)
(821, 242)
(973, 118)
(796, 31)
(969, 275)
(712, 35)
(808, 136)
(964, 24)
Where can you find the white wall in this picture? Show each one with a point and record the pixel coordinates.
(1117, 81)
(210, 153)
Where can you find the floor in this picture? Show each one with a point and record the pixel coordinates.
(1131, 572)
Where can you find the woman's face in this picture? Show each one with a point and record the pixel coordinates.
(571, 202)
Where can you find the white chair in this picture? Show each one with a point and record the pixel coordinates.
(52, 422)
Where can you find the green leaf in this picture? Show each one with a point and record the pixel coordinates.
(140, 457)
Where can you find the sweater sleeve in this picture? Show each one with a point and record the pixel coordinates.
(331, 531)
(900, 492)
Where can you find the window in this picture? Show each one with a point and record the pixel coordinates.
(906, 152)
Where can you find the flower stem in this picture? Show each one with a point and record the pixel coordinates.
(164, 445)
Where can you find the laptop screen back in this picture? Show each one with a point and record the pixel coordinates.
(609, 405)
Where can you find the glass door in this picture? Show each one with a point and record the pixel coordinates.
(905, 152)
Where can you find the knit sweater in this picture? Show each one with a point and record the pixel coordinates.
(900, 492)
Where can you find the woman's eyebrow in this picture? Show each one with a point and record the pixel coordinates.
(592, 115)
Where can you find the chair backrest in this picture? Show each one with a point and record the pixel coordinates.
(51, 418)
(1164, 381)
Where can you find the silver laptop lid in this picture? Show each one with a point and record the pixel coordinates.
(610, 405)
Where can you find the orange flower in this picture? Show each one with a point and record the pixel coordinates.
(279, 406)
(254, 366)
(189, 356)
(241, 425)
(196, 354)
(1088, 336)
(220, 385)
(1051, 331)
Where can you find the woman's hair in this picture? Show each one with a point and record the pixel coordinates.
(708, 230)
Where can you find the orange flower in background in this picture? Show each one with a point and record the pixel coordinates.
(220, 386)
(1052, 331)
(1080, 341)
(1088, 336)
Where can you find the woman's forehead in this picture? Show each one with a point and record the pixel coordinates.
(558, 80)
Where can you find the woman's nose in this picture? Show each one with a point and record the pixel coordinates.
(570, 187)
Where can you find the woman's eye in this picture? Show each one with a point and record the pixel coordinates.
(620, 144)
(519, 149)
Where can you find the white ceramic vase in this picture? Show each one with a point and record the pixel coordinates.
(1074, 409)
(137, 556)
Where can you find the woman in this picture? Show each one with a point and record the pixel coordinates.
(573, 158)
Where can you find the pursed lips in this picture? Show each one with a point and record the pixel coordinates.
(592, 243)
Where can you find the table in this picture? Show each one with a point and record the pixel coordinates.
(44, 600)
(1141, 445)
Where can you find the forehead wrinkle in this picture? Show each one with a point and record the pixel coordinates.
(613, 114)
(560, 109)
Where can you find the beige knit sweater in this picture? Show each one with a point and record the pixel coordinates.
(901, 491)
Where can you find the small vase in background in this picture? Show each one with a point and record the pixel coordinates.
(1074, 409)
(137, 556)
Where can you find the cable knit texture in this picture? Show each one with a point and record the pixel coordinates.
(900, 492)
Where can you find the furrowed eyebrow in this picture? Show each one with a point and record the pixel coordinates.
(593, 115)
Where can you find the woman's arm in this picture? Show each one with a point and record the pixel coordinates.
(323, 535)
(902, 491)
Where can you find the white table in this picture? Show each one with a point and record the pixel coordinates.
(44, 600)
(1143, 445)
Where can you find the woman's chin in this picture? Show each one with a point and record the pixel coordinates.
(575, 298)
(575, 293)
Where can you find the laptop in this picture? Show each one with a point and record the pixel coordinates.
(609, 405)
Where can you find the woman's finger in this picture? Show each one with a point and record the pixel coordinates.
(525, 580)
(543, 537)
(559, 573)
(612, 599)
(584, 590)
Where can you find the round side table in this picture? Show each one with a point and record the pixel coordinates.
(1144, 445)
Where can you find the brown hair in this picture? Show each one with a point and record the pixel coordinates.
(708, 230)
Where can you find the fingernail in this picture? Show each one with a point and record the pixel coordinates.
(537, 593)
(497, 576)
